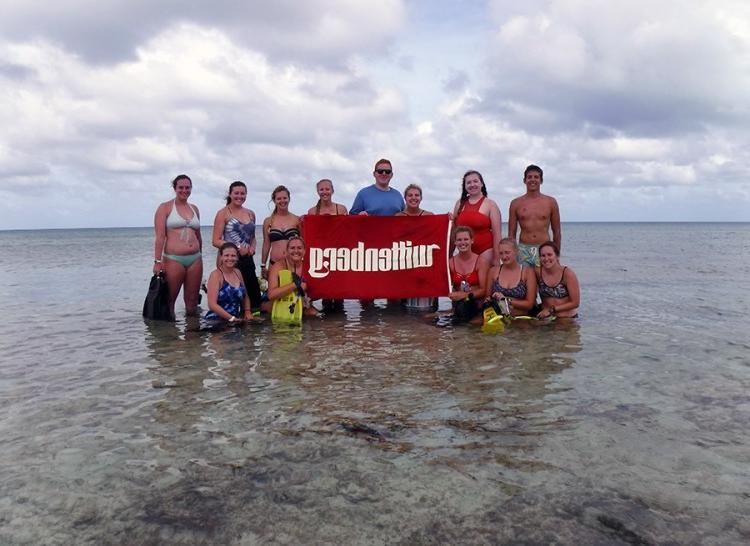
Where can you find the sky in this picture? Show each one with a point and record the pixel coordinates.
(636, 111)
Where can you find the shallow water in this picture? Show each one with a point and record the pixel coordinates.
(375, 427)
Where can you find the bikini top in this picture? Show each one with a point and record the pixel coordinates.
(472, 278)
(336, 208)
(275, 234)
(518, 291)
(238, 232)
(175, 221)
(559, 291)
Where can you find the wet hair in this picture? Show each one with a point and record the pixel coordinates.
(233, 185)
(460, 229)
(509, 241)
(276, 190)
(222, 248)
(181, 177)
(225, 246)
(552, 245)
(382, 161)
(464, 193)
(534, 168)
(295, 238)
(317, 185)
(412, 187)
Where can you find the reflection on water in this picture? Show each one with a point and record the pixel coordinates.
(374, 426)
(360, 421)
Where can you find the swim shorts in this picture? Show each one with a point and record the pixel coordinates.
(528, 255)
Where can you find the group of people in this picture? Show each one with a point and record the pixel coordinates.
(484, 265)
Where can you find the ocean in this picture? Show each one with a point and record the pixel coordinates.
(628, 426)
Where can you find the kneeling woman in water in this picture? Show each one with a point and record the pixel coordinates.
(468, 273)
(512, 281)
(558, 285)
(292, 262)
(227, 297)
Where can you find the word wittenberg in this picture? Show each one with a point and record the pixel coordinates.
(371, 257)
(400, 256)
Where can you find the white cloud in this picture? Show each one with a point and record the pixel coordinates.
(620, 103)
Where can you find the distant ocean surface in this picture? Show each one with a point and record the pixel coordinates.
(629, 426)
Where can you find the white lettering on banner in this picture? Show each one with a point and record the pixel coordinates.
(402, 255)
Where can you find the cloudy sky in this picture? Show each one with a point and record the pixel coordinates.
(636, 110)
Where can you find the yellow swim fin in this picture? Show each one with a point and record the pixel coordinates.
(287, 310)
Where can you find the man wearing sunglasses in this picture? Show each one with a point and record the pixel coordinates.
(379, 199)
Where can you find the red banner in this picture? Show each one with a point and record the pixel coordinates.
(370, 257)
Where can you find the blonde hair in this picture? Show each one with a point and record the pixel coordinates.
(317, 185)
(412, 187)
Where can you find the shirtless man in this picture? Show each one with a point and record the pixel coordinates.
(536, 213)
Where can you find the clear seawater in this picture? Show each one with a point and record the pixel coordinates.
(629, 426)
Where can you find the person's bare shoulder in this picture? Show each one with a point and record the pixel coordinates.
(549, 199)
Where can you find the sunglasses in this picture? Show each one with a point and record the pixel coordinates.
(383, 171)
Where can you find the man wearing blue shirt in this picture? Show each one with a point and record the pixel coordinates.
(379, 199)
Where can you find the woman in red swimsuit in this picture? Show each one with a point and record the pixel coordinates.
(468, 274)
(479, 213)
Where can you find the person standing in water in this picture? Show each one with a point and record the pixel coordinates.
(379, 199)
(236, 224)
(536, 214)
(278, 228)
(178, 244)
(413, 198)
(325, 205)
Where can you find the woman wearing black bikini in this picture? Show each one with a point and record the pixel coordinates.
(278, 229)
(413, 198)
(558, 285)
(512, 281)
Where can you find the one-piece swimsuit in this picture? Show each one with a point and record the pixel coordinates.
(229, 298)
(480, 224)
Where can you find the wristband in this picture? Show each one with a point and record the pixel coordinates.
(232, 319)
(157, 261)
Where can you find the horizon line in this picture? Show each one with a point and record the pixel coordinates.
(564, 222)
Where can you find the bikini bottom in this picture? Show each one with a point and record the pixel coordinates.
(186, 260)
